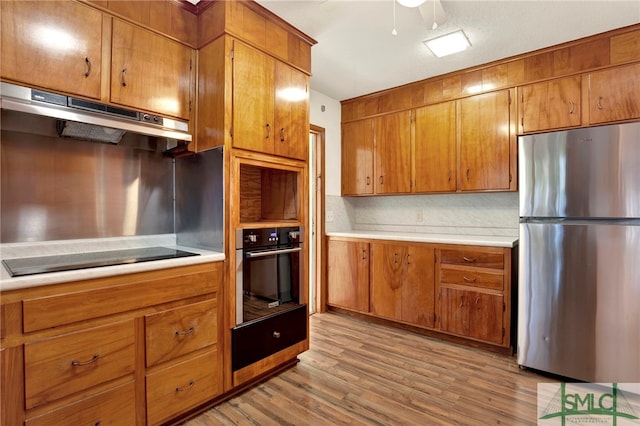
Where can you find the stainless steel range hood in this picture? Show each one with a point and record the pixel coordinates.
(113, 120)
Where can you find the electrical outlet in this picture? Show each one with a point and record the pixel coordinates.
(419, 216)
(329, 217)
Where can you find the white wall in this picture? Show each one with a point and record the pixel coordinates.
(329, 119)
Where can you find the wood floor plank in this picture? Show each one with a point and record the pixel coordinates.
(361, 373)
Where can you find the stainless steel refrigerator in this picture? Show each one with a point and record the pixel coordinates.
(579, 253)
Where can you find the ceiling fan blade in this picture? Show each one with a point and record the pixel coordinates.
(432, 13)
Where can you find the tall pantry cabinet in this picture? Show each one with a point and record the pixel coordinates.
(253, 102)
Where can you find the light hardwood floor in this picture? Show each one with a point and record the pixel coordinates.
(359, 373)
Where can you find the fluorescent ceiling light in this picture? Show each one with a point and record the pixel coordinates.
(411, 3)
(448, 44)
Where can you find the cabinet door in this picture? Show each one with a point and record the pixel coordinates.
(435, 148)
(486, 316)
(149, 71)
(54, 45)
(485, 142)
(454, 311)
(614, 94)
(348, 274)
(387, 277)
(357, 157)
(551, 105)
(253, 99)
(392, 133)
(418, 303)
(291, 112)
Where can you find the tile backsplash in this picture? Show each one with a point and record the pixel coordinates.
(468, 214)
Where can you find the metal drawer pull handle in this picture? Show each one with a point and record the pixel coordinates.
(123, 75)
(599, 105)
(98, 423)
(276, 334)
(186, 332)
(461, 301)
(364, 254)
(368, 180)
(81, 363)
(253, 254)
(469, 280)
(268, 135)
(87, 62)
(571, 107)
(469, 259)
(192, 383)
(468, 175)
(282, 134)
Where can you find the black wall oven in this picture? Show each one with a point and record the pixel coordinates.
(269, 276)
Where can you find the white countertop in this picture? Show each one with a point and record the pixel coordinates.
(474, 240)
(20, 250)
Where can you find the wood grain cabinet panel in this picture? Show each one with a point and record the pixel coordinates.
(348, 274)
(113, 407)
(550, 105)
(53, 45)
(485, 142)
(291, 112)
(472, 314)
(179, 331)
(392, 153)
(471, 256)
(181, 387)
(434, 157)
(614, 94)
(357, 157)
(402, 282)
(66, 364)
(150, 72)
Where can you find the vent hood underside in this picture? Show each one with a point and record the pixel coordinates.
(93, 116)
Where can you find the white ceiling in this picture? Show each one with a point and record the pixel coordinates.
(356, 53)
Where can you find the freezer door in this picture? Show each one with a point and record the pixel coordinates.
(592, 172)
(579, 294)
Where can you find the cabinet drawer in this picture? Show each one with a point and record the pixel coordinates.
(114, 407)
(121, 293)
(252, 342)
(181, 387)
(179, 331)
(470, 277)
(66, 364)
(471, 257)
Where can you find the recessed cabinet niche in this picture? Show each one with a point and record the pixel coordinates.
(269, 194)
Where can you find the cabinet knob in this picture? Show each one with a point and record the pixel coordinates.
(276, 334)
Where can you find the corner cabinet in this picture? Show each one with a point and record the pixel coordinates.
(136, 349)
(150, 72)
(53, 45)
(348, 274)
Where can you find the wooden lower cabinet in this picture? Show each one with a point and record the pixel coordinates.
(402, 282)
(453, 289)
(348, 274)
(182, 386)
(474, 289)
(146, 363)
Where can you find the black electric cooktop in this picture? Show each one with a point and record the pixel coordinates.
(69, 262)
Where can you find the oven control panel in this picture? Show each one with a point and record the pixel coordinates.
(265, 237)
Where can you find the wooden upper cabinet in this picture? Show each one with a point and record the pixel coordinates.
(486, 142)
(392, 133)
(253, 83)
(549, 105)
(291, 112)
(357, 157)
(270, 104)
(614, 94)
(435, 148)
(53, 45)
(150, 72)
(348, 274)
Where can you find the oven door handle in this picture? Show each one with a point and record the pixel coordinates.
(254, 254)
